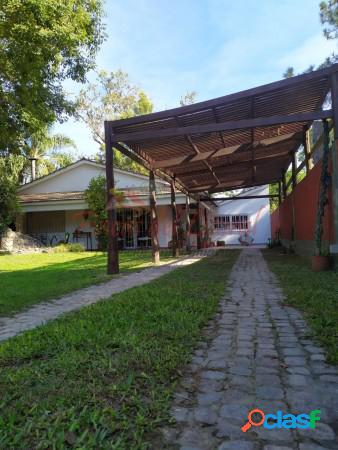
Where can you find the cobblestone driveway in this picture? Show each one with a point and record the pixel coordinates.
(257, 354)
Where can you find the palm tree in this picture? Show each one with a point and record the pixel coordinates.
(43, 151)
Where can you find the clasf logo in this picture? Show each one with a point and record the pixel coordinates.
(257, 418)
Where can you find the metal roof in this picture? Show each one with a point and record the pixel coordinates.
(239, 140)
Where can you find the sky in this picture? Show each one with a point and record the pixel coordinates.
(213, 47)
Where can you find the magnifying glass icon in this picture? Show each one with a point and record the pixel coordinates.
(251, 422)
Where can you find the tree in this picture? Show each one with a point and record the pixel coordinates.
(329, 18)
(45, 148)
(112, 96)
(188, 99)
(43, 43)
(10, 168)
(290, 72)
(328, 12)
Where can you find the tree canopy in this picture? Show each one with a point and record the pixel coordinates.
(49, 151)
(112, 96)
(329, 18)
(328, 12)
(43, 43)
(188, 98)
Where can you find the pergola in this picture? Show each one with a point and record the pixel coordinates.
(240, 140)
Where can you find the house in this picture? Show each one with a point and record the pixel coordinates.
(245, 219)
(53, 209)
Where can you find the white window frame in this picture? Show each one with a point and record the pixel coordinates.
(228, 222)
(222, 222)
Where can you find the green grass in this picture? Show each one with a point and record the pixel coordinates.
(29, 279)
(102, 377)
(316, 294)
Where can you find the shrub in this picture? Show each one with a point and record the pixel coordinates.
(96, 198)
(64, 248)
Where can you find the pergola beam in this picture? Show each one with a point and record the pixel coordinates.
(239, 167)
(231, 125)
(264, 146)
(138, 159)
(245, 184)
(234, 197)
(227, 99)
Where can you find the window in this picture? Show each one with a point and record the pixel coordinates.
(222, 222)
(231, 222)
(45, 222)
(240, 222)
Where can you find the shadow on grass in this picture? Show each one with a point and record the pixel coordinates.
(24, 287)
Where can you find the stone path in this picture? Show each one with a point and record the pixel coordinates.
(256, 354)
(43, 312)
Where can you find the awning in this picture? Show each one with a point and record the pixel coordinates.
(239, 140)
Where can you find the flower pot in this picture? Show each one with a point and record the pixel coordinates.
(320, 263)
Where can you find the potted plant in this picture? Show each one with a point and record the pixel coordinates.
(320, 262)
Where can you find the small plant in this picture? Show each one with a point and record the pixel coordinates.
(64, 248)
(96, 198)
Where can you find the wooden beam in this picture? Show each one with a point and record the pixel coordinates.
(294, 167)
(209, 104)
(113, 255)
(236, 168)
(284, 187)
(279, 193)
(222, 126)
(174, 221)
(198, 225)
(187, 223)
(197, 152)
(236, 197)
(307, 150)
(135, 157)
(153, 219)
(206, 224)
(263, 147)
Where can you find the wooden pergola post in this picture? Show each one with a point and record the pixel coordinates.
(174, 221)
(187, 223)
(198, 226)
(113, 251)
(284, 184)
(206, 234)
(153, 219)
(334, 97)
(294, 167)
(279, 193)
(307, 150)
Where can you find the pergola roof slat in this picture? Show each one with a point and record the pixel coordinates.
(239, 139)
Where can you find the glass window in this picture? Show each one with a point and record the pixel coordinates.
(231, 222)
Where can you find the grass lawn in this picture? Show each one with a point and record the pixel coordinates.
(314, 293)
(102, 377)
(29, 279)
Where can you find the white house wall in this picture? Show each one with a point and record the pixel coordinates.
(258, 211)
(77, 177)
